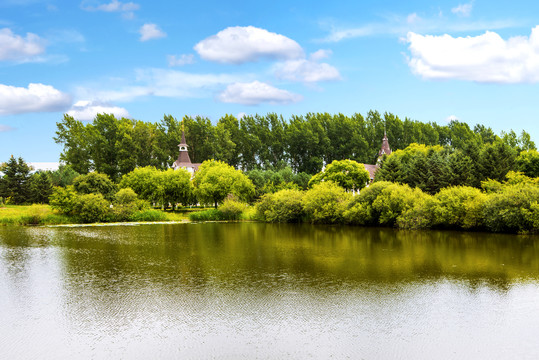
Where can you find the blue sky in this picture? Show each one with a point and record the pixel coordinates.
(476, 61)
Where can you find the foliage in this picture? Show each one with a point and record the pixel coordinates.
(64, 176)
(272, 180)
(282, 206)
(393, 200)
(31, 215)
(215, 180)
(91, 208)
(95, 183)
(360, 210)
(174, 186)
(512, 210)
(304, 142)
(148, 215)
(126, 204)
(144, 181)
(458, 207)
(63, 199)
(325, 203)
(232, 209)
(15, 182)
(40, 187)
(206, 215)
(348, 174)
(528, 163)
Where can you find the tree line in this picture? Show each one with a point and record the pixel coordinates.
(305, 143)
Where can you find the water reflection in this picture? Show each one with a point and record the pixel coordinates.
(244, 290)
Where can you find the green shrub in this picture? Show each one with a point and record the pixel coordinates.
(92, 208)
(512, 210)
(95, 183)
(459, 206)
(325, 203)
(63, 199)
(232, 209)
(394, 200)
(206, 215)
(282, 206)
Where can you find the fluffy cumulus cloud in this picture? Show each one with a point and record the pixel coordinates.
(87, 110)
(17, 48)
(34, 98)
(463, 9)
(127, 9)
(184, 59)
(239, 44)
(486, 58)
(255, 93)
(150, 31)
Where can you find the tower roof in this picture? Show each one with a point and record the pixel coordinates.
(385, 149)
(183, 142)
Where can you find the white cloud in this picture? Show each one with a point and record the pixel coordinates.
(451, 118)
(240, 115)
(35, 98)
(485, 58)
(17, 48)
(150, 31)
(127, 9)
(463, 9)
(184, 59)
(306, 71)
(243, 44)
(255, 93)
(159, 82)
(320, 54)
(87, 110)
(5, 128)
(401, 25)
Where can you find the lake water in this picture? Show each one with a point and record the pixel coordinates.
(266, 291)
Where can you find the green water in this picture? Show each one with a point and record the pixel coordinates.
(266, 291)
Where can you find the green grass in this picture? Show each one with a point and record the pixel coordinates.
(39, 214)
(31, 215)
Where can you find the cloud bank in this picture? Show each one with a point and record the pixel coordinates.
(486, 58)
(35, 98)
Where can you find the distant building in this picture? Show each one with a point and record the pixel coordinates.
(184, 161)
(384, 150)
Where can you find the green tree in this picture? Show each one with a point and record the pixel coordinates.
(15, 183)
(325, 203)
(95, 183)
(348, 174)
(174, 186)
(495, 160)
(528, 163)
(64, 176)
(73, 135)
(40, 187)
(214, 180)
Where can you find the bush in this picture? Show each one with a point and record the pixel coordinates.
(92, 208)
(360, 211)
(206, 215)
(64, 199)
(325, 203)
(394, 200)
(232, 209)
(126, 203)
(458, 207)
(95, 183)
(282, 206)
(512, 210)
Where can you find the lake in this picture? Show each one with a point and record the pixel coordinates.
(266, 291)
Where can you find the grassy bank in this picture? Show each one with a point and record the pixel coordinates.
(40, 214)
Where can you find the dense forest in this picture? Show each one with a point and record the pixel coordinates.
(305, 143)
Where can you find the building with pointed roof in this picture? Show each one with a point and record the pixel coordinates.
(184, 161)
(384, 150)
